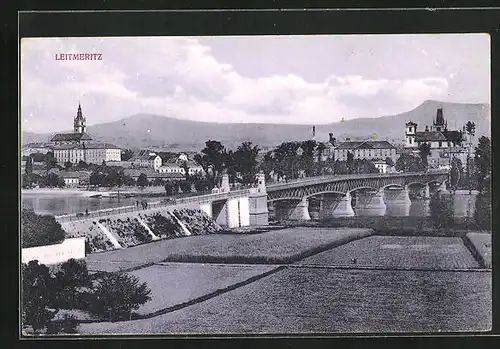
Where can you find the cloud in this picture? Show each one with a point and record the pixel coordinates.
(181, 77)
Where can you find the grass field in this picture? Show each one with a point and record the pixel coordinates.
(399, 252)
(482, 244)
(279, 246)
(304, 300)
(176, 283)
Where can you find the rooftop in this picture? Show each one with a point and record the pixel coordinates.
(73, 136)
(365, 145)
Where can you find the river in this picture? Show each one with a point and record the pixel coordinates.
(62, 203)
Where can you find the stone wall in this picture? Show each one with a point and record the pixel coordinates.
(133, 228)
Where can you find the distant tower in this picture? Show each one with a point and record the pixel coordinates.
(438, 124)
(313, 132)
(411, 129)
(79, 124)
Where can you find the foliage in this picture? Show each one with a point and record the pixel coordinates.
(117, 294)
(307, 158)
(50, 161)
(185, 186)
(245, 161)
(482, 212)
(37, 295)
(482, 161)
(349, 162)
(52, 180)
(456, 173)
(267, 164)
(127, 154)
(38, 157)
(389, 161)
(142, 180)
(68, 165)
(39, 230)
(424, 150)
(408, 163)
(441, 209)
(212, 159)
(82, 165)
(200, 183)
(72, 275)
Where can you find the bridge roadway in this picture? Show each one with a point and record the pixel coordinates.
(299, 189)
(291, 200)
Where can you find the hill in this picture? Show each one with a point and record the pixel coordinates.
(155, 131)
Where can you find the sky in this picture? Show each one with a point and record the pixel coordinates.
(276, 79)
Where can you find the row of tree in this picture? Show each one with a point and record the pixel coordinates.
(110, 296)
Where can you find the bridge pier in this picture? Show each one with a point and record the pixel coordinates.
(327, 205)
(344, 207)
(292, 210)
(371, 203)
(398, 202)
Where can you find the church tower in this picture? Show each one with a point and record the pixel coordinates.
(411, 129)
(438, 124)
(79, 125)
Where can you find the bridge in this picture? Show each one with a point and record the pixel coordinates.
(290, 201)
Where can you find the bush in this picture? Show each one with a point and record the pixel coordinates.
(37, 295)
(117, 294)
(72, 276)
(441, 207)
(39, 230)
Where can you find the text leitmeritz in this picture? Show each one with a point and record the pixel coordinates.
(78, 56)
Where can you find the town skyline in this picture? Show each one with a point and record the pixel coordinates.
(226, 79)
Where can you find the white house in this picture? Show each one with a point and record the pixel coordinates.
(147, 161)
(71, 179)
(381, 166)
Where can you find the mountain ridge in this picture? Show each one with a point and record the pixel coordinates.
(156, 131)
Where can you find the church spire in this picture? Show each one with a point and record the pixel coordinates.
(79, 122)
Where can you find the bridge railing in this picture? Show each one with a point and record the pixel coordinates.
(152, 205)
(326, 178)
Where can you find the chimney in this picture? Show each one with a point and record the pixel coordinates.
(331, 137)
(426, 128)
(314, 131)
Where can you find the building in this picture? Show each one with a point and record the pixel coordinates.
(444, 144)
(71, 179)
(381, 166)
(33, 148)
(178, 167)
(151, 175)
(150, 160)
(369, 150)
(76, 146)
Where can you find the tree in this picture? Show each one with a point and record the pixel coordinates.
(82, 165)
(73, 274)
(408, 163)
(50, 161)
(169, 188)
(245, 162)
(38, 157)
(482, 161)
(37, 295)
(53, 180)
(307, 158)
(441, 209)
(117, 294)
(349, 162)
(68, 165)
(158, 182)
(286, 160)
(29, 166)
(212, 159)
(424, 150)
(389, 161)
(456, 173)
(185, 186)
(320, 149)
(267, 164)
(39, 230)
(127, 154)
(113, 178)
(482, 212)
(97, 178)
(142, 180)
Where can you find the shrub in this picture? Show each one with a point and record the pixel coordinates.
(37, 295)
(115, 295)
(39, 230)
(441, 207)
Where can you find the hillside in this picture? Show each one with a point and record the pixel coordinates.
(143, 130)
